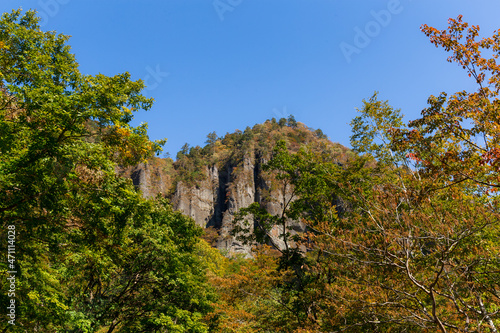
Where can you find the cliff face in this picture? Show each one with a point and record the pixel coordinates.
(152, 178)
(214, 201)
(211, 184)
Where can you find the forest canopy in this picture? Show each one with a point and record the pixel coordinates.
(401, 236)
(90, 254)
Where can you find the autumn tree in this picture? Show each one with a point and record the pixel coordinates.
(458, 136)
(414, 248)
(419, 246)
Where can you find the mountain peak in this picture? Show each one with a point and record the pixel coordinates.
(211, 183)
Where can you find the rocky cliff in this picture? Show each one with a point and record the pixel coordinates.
(153, 178)
(214, 201)
(211, 184)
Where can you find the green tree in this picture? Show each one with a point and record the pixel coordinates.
(371, 130)
(291, 121)
(211, 138)
(183, 152)
(91, 253)
(319, 134)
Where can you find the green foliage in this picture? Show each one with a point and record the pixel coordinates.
(319, 133)
(372, 130)
(211, 138)
(91, 254)
(291, 121)
(402, 237)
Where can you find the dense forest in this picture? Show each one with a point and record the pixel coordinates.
(397, 234)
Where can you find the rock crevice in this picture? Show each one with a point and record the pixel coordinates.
(214, 201)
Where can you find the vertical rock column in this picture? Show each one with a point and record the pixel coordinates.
(240, 194)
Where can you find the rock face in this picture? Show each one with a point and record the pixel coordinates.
(212, 183)
(215, 201)
(150, 178)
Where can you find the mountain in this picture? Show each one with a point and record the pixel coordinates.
(211, 183)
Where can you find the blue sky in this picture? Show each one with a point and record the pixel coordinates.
(226, 64)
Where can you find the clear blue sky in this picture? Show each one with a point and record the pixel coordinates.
(226, 64)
